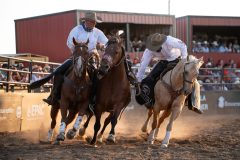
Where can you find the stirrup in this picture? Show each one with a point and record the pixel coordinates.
(137, 88)
(48, 101)
(197, 110)
(90, 106)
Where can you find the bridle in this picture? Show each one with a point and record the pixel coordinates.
(184, 90)
(76, 59)
(109, 59)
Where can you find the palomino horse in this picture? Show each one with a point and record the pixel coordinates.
(75, 88)
(113, 89)
(170, 94)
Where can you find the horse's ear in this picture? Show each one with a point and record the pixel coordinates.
(74, 41)
(120, 33)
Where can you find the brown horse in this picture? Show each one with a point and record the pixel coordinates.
(75, 89)
(113, 89)
(170, 95)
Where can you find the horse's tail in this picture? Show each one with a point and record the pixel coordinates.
(40, 82)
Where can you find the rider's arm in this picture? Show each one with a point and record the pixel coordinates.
(72, 34)
(102, 39)
(177, 43)
(146, 58)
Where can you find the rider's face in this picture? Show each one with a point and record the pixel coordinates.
(90, 24)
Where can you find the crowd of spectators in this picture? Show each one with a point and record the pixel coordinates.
(214, 76)
(218, 44)
(138, 44)
(20, 73)
(220, 76)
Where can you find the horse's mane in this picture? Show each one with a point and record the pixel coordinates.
(190, 58)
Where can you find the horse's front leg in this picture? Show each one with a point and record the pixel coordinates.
(81, 111)
(97, 125)
(145, 125)
(112, 137)
(164, 115)
(106, 122)
(63, 106)
(176, 110)
(53, 114)
(151, 136)
(83, 129)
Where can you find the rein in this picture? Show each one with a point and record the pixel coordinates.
(121, 60)
(176, 93)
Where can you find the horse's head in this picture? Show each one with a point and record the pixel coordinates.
(190, 72)
(113, 56)
(80, 57)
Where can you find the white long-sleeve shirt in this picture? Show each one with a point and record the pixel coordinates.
(172, 48)
(80, 35)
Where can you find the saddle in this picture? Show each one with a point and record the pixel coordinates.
(146, 95)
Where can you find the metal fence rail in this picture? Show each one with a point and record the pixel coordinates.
(8, 84)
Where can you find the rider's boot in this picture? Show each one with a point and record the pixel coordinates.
(191, 105)
(194, 100)
(56, 91)
(58, 79)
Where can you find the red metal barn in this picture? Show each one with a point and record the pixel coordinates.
(46, 35)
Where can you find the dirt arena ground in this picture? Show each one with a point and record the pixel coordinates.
(194, 137)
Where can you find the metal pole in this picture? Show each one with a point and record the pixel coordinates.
(169, 7)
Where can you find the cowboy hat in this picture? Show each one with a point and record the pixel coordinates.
(155, 41)
(92, 16)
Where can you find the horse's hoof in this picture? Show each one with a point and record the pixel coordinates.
(45, 142)
(61, 136)
(100, 138)
(164, 145)
(150, 142)
(144, 130)
(82, 131)
(92, 143)
(50, 135)
(71, 133)
(56, 142)
(111, 138)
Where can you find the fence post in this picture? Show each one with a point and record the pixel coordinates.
(30, 75)
(8, 76)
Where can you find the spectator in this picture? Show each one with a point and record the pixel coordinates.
(236, 47)
(205, 47)
(223, 47)
(35, 76)
(214, 47)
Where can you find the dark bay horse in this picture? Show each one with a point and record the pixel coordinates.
(75, 89)
(113, 89)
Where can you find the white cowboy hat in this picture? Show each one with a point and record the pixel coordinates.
(92, 16)
(215, 43)
(155, 41)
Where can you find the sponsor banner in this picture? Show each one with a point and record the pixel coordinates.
(10, 112)
(35, 113)
(221, 102)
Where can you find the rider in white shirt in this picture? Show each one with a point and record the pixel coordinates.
(86, 30)
(169, 50)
